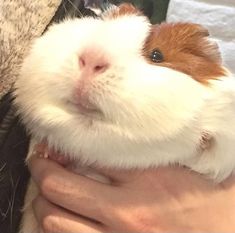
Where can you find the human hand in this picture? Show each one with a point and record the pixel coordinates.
(158, 200)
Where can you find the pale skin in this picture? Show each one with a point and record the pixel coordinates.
(158, 200)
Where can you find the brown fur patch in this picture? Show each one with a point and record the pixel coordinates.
(123, 9)
(186, 48)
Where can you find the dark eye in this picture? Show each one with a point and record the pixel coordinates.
(156, 56)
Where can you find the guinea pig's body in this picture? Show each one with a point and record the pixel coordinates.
(99, 91)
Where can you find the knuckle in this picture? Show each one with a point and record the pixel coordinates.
(50, 224)
(143, 222)
(135, 220)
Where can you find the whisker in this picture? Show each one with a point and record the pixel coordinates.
(22, 142)
(12, 201)
(3, 166)
(76, 8)
(65, 9)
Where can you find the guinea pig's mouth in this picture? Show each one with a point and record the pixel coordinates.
(87, 109)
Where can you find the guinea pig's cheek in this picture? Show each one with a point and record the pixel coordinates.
(59, 89)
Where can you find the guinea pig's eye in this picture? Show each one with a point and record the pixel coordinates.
(156, 56)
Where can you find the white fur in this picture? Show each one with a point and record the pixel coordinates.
(152, 115)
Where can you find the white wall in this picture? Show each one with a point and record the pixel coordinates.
(216, 15)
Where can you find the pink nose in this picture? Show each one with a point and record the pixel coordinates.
(92, 64)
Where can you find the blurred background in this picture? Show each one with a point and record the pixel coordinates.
(155, 9)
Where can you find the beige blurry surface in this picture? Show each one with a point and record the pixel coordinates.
(20, 22)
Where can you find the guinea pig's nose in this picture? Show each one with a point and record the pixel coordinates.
(92, 63)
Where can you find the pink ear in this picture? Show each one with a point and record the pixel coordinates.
(206, 141)
(208, 46)
(123, 9)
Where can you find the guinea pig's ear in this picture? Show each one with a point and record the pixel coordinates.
(128, 8)
(207, 47)
(123, 9)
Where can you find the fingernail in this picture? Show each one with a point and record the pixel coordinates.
(46, 155)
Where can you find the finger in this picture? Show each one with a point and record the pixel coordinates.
(72, 191)
(54, 219)
(116, 176)
(119, 177)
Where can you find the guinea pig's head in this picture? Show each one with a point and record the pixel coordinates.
(185, 47)
(116, 76)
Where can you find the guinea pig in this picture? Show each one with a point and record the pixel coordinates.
(118, 92)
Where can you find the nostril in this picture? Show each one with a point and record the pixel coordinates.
(82, 62)
(100, 68)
